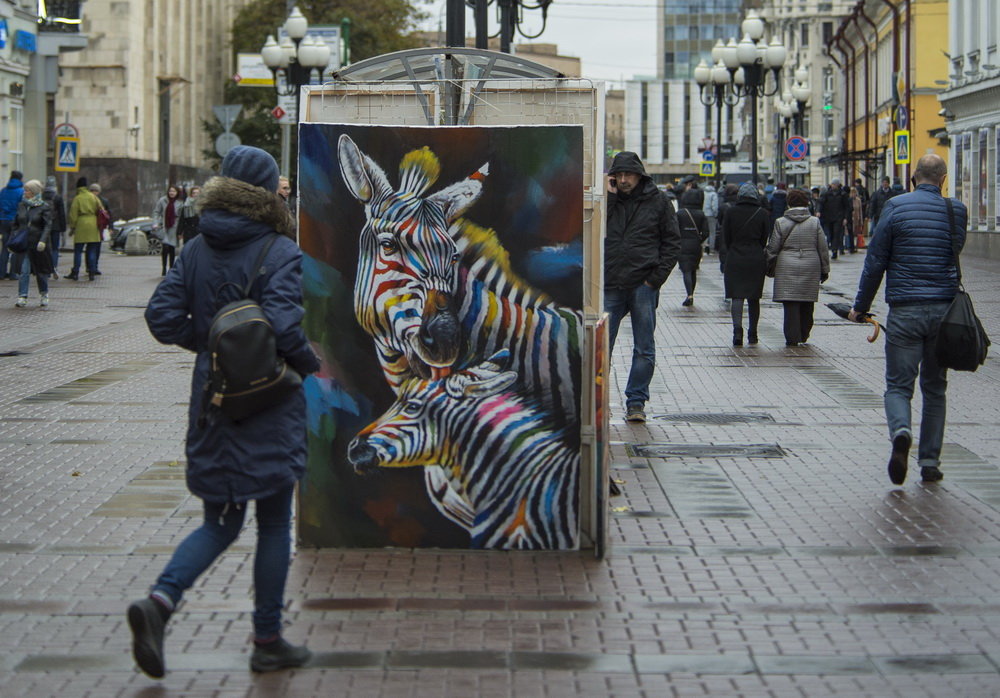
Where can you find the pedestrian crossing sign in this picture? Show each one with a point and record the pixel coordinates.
(902, 140)
(67, 154)
(707, 168)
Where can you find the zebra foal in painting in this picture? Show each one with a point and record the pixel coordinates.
(435, 290)
(516, 477)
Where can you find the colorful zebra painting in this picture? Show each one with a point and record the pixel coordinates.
(403, 297)
(516, 477)
(428, 251)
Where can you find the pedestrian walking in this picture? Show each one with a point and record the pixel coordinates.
(745, 230)
(912, 249)
(728, 196)
(260, 458)
(95, 189)
(857, 220)
(834, 209)
(10, 198)
(54, 199)
(779, 202)
(35, 215)
(187, 227)
(801, 262)
(711, 211)
(83, 227)
(165, 217)
(877, 202)
(694, 231)
(641, 247)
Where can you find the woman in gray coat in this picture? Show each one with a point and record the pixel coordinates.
(799, 247)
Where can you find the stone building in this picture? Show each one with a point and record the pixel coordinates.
(151, 72)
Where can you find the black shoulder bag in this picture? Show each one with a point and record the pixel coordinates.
(246, 375)
(962, 343)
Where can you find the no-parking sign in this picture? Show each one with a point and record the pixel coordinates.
(796, 148)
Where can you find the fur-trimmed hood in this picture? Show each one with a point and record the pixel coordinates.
(234, 212)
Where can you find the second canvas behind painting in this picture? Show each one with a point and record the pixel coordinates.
(443, 289)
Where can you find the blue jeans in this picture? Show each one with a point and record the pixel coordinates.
(25, 278)
(640, 303)
(91, 255)
(221, 527)
(911, 332)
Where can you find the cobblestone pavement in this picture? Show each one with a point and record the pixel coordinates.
(789, 568)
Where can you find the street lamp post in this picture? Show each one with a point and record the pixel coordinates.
(756, 58)
(715, 90)
(293, 61)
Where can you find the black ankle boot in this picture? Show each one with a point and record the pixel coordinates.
(752, 337)
(738, 337)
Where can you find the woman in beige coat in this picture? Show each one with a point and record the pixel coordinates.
(801, 258)
(83, 228)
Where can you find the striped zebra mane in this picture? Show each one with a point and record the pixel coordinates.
(418, 170)
(478, 243)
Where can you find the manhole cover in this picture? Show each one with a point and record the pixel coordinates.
(717, 418)
(667, 450)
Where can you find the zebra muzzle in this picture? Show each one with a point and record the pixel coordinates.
(363, 457)
(437, 341)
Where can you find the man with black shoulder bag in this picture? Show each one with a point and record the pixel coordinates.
(915, 245)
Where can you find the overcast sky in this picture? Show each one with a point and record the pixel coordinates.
(615, 40)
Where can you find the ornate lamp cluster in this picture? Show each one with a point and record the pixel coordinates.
(296, 57)
(741, 69)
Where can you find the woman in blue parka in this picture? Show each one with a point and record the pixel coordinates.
(231, 463)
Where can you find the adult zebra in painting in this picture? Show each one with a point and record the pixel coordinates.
(487, 308)
(407, 261)
(498, 450)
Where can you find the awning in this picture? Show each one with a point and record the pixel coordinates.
(844, 157)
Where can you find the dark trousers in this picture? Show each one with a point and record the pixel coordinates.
(167, 255)
(753, 311)
(90, 248)
(834, 235)
(798, 321)
(690, 280)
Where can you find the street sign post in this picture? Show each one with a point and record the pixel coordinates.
(67, 154)
(707, 168)
(226, 142)
(227, 114)
(796, 148)
(796, 167)
(902, 118)
(65, 129)
(902, 141)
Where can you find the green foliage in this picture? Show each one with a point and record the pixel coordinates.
(377, 27)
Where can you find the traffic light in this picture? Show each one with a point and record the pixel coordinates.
(827, 101)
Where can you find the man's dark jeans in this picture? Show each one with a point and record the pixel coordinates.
(6, 268)
(640, 303)
(834, 235)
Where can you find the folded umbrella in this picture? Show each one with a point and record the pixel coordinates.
(844, 310)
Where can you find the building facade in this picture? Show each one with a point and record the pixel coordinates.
(890, 60)
(139, 91)
(804, 29)
(971, 110)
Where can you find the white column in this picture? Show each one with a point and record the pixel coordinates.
(676, 122)
(654, 123)
(633, 116)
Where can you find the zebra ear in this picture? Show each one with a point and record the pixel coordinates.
(362, 176)
(456, 199)
(485, 387)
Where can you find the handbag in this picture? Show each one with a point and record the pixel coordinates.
(772, 263)
(103, 220)
(18, 242)
(962, 343)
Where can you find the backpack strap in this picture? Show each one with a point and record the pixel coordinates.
(954, 238)
(257, 268)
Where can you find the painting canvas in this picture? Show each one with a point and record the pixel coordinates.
(443, 283)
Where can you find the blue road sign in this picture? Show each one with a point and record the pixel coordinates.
(708, 155)
(902, 118)
(67, 154)
(796, 148)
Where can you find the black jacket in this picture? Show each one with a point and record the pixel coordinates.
(834, 205)
(58, 209)
(877, 202)
(642, 241)
(745, 231)
(693, 228)
(37, 218)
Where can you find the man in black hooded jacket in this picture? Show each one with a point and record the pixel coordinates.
(641, 247)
